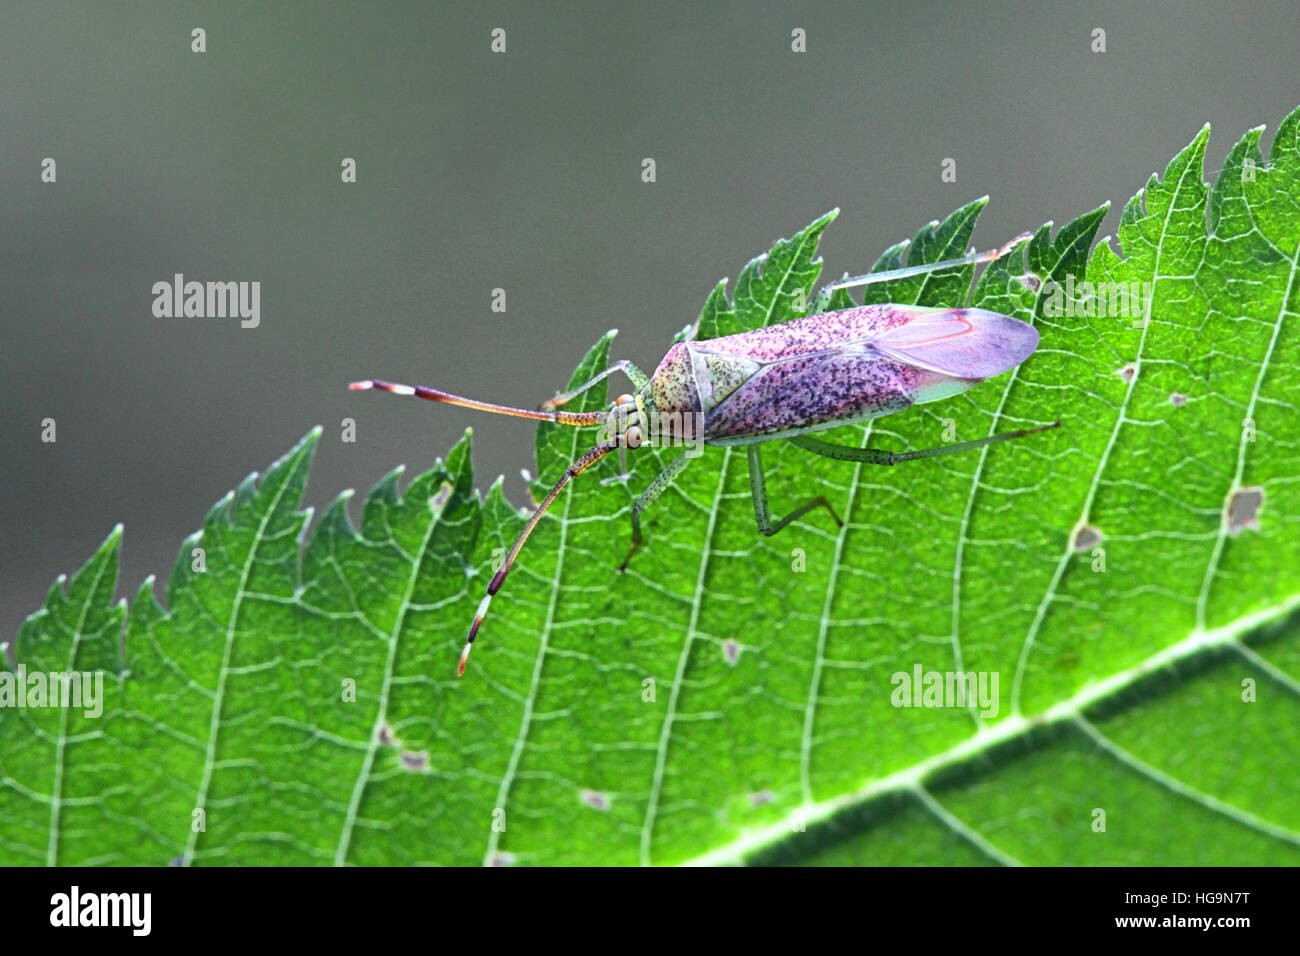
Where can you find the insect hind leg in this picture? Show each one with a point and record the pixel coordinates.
(878, 456)
(853, 282)
(758, 492)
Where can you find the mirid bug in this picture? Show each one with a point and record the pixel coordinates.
(782, 382)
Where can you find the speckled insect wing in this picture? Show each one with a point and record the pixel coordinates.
(840, 367)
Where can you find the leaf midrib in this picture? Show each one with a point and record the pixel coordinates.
(1011, 728)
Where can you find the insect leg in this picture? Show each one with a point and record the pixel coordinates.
(498, 579)
(758, 491)
(634, 374)
(878, 456)
(853, 282)
(648, 497)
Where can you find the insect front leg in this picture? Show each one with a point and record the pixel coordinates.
(853, 282)
(758, 491)
(637, 377)
(878, 456)
(648, 497)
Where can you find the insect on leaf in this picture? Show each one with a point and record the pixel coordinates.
(1131, 582)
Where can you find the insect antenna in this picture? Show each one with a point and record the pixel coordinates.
(498, 579)
(433, 395)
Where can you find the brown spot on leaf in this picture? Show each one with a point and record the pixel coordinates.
(1243, 509)
(440, 496)
(415, 760)
(731, 651)
(1086, 537)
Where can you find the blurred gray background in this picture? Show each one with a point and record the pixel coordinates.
(479, 170)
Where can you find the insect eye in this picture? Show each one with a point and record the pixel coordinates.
(624, 400)
(632, 437)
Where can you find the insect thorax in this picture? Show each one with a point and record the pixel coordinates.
(689, 383)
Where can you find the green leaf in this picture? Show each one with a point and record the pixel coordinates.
(731, 698)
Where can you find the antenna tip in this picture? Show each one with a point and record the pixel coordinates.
(464, 658)
(361, 386)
